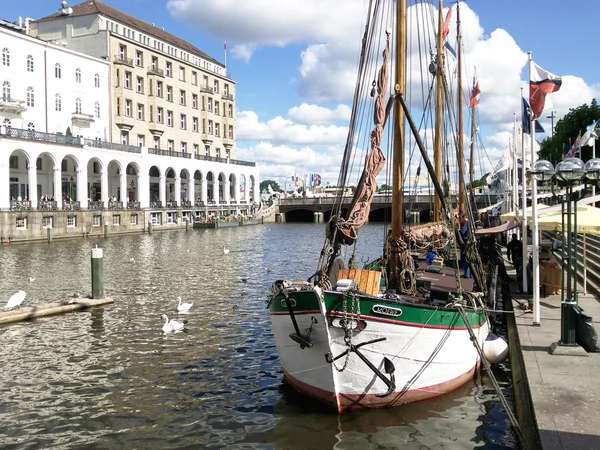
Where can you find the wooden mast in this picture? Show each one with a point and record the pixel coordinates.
(399, 121)
(472, 151)
(461, 150)
(439, 93)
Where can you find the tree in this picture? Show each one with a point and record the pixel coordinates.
(384, 187)
(264, 186)
(68, 132)
(567, 129)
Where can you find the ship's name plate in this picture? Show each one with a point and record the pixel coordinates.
(387, 310)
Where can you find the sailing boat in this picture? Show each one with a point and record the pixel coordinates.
(393, 332)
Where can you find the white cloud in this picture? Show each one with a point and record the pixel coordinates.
(315, 114)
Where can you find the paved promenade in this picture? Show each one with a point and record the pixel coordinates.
(565, 390)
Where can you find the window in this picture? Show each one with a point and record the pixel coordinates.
(230, 111)
(77, 76)
(181, 73)
(154, 63)
(194, 78)
(156, 142)
(216, 89)
(159, 89)
(118, 78)
(133, 219)
(170, 144)
(118, 106)
(194, 101)
(140, 111)
(196, 149)
(218, 153)
(97, 80)
(184, 147)
(140, 85)
(116, 220)
(195, 124)
(210, 103)
(150, 87)
(182, 98)
(71, 221)
(57, 71)
(170, 118)
(210, 127)
(128, 108)
(230, 134)
(21, 223)
(169, 70)
(217, 128)
(47, 222)
(156, 218)
(205, 81)
(122, 52)
(128, 80)
(97, 221)
(171, 217)
(169, 94)
(31, 127)
(30, 63)
(30, 97)
(225, 89)
(78, 106)
(151, 114)
(5, 57)
(13, 162)
(141, 140)
(139, 60)
(159, 115)
(183, 121)
(125, 137)
(97, 109)
(216, 107)
(6, 91)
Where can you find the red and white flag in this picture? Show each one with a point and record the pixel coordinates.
(446, 28)
(541, 84)
(475, 94)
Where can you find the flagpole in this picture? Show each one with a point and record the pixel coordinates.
(523, 202)
(534, 217)
(515, 189)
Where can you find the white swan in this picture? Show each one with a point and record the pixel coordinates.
(15, 300)
(171, 325)
(225, 250)
(32, 279)
(182, 307)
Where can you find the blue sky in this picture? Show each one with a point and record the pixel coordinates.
(293, 62)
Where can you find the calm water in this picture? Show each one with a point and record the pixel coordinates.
(110, 379)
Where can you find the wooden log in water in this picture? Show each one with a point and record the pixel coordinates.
(50, 309)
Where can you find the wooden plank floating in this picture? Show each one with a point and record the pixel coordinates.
(50, 309)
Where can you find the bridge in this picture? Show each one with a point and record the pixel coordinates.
(318, 209)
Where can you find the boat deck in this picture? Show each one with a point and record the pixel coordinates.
(445, 281)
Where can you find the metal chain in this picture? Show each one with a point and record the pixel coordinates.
(348, 330)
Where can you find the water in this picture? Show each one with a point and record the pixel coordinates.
(109, 378)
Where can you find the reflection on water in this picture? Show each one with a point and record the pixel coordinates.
(109, 378)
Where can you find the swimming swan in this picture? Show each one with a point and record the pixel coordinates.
(182, 307)
(15, 300)
(171, 325)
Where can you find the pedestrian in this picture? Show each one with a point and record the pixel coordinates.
(465, 233)
(514, 252)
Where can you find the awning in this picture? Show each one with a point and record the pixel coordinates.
(499, 229)
(489, 208)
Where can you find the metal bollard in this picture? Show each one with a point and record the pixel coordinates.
(187, 225)
(106, 230)
(97, 273)
(49, 234)
(149, 227)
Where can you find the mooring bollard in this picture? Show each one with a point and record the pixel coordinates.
(149, 227)
(187, 225)
(105, 230)
(97, 273)
(49, 234)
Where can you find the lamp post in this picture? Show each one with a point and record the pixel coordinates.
(71, 188)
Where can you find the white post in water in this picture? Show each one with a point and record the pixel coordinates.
(97, 273)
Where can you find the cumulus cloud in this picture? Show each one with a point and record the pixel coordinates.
(315, 114)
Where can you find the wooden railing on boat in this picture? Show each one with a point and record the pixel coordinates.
(368, 280)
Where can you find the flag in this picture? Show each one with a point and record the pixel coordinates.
(446, 28)
(526, 119)
(504, 163)
(450, 49)
(596, 128)
(541, 84)
(574, 148)
(315, 179)
(475, 94)
(225, 45)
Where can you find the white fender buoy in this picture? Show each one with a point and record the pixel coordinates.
(495, 349)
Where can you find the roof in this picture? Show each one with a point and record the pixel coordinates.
(97, 7)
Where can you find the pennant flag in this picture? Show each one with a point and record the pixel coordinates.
(526, 119)
(450, 49)
(541, 84)
(225, 45)
(475, 94)
(446, 28)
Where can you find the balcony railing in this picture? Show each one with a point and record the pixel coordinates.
(242, 163)
(122, 60)
(156, 71)
(98, 206)
(133, 205)
(71, 206)
(12, 105)
(171, 204)
(115, 204)
(199, 203)
(23, 205)
(161, 152)
(227, 97)
(77, 116)
(112, 146)
(206, 89)
(156, 205)
(47, 205)
(39, 136)
(186, 204)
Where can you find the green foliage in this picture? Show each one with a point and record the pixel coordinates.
(384, 187)
(68, 132)
(264, 186)
(567, 129)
